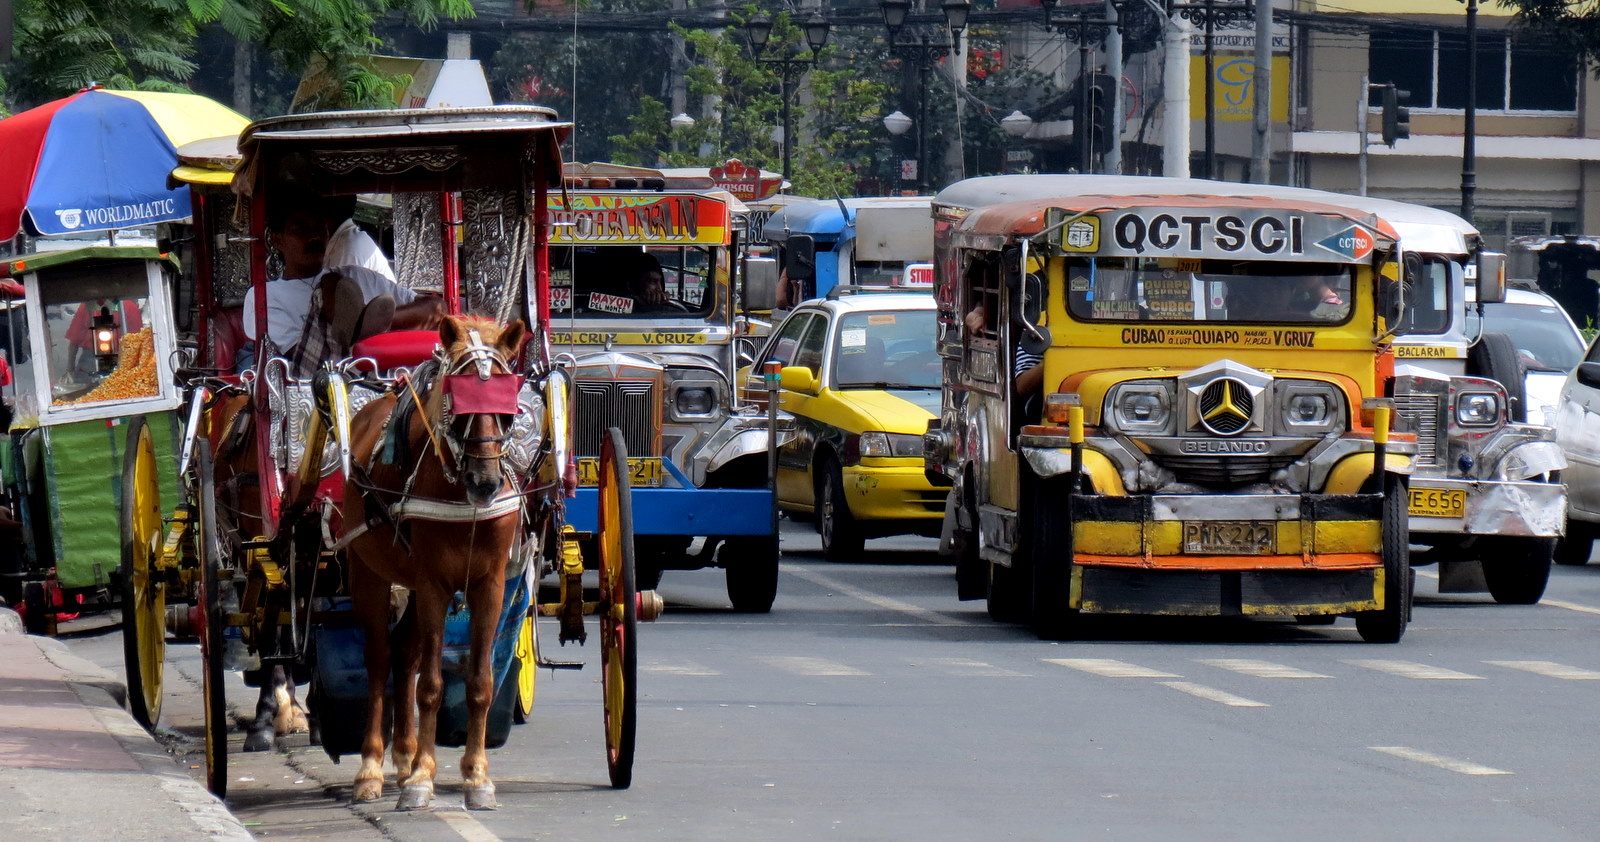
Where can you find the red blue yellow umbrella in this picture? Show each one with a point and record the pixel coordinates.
(98, 160)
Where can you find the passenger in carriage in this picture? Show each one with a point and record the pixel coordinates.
(336, 286)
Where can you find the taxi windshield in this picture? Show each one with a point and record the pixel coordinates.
(619, 282)
(886, 350)
(1214, 291)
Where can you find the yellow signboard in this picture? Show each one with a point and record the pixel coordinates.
(603, 337)
(1235, 87)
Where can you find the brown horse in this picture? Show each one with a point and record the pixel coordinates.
(429, 507)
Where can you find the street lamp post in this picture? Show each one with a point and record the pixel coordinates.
(1210, 15)
(1016, 124)
(925, 52)
(1469, 126)
(790, 67)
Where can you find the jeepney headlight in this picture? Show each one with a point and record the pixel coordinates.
(693, 401)
(1309, 408)
(890, 444)
(1477, 409)
(1142, 408)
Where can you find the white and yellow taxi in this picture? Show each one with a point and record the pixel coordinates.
(861, 376)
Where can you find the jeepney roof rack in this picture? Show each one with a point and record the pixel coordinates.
(864, 289)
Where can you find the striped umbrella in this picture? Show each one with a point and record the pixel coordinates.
(98, 160)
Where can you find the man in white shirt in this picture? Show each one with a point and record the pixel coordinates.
(329, 296)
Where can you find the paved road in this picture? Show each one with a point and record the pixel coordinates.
(871, 705)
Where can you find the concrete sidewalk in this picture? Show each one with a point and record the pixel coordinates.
(75, 765)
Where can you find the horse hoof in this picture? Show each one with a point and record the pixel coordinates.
(480, 797)
(415, 797)
(367, 790)
(259, 739)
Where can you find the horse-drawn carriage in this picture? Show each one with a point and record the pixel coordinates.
(429, 464)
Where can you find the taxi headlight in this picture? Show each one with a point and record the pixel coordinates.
(891, 444)
(1477, 409)
(1142, 408)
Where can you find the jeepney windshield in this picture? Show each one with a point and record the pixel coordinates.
(1187, 290)
(614, 282)
(1427, 296)
(887, 350)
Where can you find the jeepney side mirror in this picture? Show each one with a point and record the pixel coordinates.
(797, 378)
(1027, 309)
(760, 283)
(1491, 277)
(800, 257)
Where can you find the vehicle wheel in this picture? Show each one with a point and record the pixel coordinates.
(1574, 549)
(1517, 569)
(1049, 549)
(144, 596)
(35, 609)
(526, 654)
(1495, 357)
(1010, 590)
(1388, 624)
(752, 571)
(212, 642)
(619, 609)
(648, 575)
(841, 537)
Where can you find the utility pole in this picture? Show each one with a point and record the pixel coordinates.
(1469, 129)
(1261, 86)
(1175, 113)
(1112, 162)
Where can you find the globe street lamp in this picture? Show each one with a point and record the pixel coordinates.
(1017, 125)
(924, 52)
(758, 30)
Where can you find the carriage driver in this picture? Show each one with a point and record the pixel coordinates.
(336, 286)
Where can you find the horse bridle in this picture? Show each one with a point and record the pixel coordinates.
(483, 359)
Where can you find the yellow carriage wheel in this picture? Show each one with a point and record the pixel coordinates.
(211, 553)
(144, 592)
(527, 656)
(619, 608)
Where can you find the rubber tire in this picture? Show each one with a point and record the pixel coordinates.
(619, 656)
(1388, 624)
(648, 575)
(1574, 549)
(750, 563)
(1495, 357)
(1048, 510)
(144, 616)
(1517, 569)
(212, 641)
(35, 617)
(841, 538)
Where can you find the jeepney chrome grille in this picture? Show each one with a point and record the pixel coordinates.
(632, 405)
(1420, 414)
(1225, 470)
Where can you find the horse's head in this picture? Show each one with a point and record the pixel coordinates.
(477, 399)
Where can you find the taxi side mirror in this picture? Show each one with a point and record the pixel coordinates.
(797, 378)
(1491, 277)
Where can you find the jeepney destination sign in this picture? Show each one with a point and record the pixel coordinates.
(638, 219)
(1215, 233)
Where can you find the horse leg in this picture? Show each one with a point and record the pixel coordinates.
(371, 599)
(484, 597)
(290, 717)
(263, 730)
(429, 603)
(406, 656)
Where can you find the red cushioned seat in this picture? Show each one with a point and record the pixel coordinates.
(228, 336)
(398, 348)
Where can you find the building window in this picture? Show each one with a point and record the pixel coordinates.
(1512, 75)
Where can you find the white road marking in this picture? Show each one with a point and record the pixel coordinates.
(1260, 669)
(965, 666)
(1212, 694)
(801, 665)
(1110, 668)
(1410, 669)
(1570, 606)
(1448, 763)
(1550, 669)
(680, 668)
(896, 605)
(466, 826)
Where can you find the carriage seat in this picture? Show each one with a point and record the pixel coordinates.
(398, 348)
(227, 335)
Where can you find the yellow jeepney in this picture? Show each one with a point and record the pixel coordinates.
(1211, 436)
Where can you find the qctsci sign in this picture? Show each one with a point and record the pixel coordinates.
(665, 219)
(1214, 233)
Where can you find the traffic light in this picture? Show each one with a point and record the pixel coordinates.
(1100, 98)
(1396, 117)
